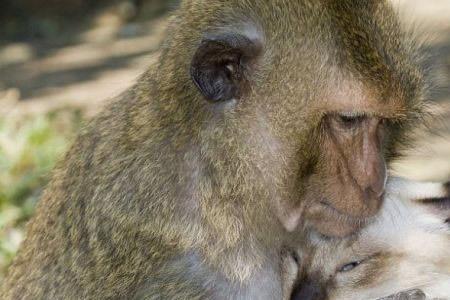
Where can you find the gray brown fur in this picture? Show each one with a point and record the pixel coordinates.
(167, 196)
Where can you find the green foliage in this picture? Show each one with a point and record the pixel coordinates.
(29, 149)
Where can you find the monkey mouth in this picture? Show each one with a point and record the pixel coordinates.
(327, 206)
(329, 221)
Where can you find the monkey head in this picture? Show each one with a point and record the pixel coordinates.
(316, 107)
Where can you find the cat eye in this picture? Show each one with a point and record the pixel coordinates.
(349, 267)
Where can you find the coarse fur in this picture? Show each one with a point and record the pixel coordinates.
(166, 195)
(407, 247)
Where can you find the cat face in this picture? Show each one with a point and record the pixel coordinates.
(407, 246)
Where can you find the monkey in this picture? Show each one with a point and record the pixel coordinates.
(407, 247)
(259, 120)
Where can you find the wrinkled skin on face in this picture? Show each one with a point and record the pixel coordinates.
(405, 252)
(354, 173)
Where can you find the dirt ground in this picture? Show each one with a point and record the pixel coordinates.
(98, 63)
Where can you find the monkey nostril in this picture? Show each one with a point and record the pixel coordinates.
(379, 193)
(372, 200)
(378, 185)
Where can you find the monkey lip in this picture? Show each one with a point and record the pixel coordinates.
(329, 221)
(329, 207)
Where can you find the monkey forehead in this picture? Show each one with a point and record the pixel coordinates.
(353, 96)
(353, 42)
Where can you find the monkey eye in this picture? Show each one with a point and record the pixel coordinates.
(351, 119)
(349, 267)
(346, 120)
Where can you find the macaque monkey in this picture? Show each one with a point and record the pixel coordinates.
(262, 118)
(407, 247)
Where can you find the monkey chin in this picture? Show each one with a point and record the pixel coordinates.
(329, 222)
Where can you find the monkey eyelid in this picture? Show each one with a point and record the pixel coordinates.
(394, 117)
(379, 112)
(352, 114)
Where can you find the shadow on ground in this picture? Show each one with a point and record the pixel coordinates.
(113, 44)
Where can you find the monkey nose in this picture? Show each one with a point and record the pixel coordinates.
(372, 196)
(379, 186)
(378, 183)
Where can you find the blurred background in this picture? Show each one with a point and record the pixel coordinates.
(62, 60)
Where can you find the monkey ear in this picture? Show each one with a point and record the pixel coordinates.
(221, 63)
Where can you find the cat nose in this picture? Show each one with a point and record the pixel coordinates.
(309, 290)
